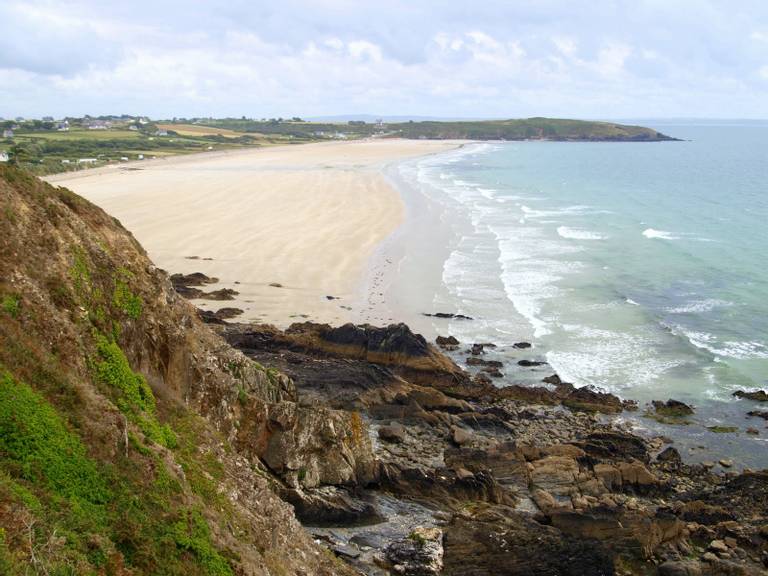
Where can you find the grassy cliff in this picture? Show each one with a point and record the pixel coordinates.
(128, 431)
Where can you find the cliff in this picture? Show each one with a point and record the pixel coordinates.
(132, 439)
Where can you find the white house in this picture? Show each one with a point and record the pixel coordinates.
(87, 160)
(4, 157)
(8, 133)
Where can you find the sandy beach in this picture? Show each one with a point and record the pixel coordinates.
(305, 217)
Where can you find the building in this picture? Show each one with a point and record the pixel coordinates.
(98, 125)
(8, 133)
(4, 157)
(87, 160)
(133, 127)
(62, 126)
(161, 133)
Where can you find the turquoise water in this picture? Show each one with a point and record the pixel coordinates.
(637, 268)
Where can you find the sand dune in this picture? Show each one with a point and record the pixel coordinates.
(307, 217)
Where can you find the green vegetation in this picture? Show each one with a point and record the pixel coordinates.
(722, 429)
(519, 129)
(36, 445)
(135, 398)
(125, 300)
(40, 147)
(417, 538)
(11, 304)
(193, 534)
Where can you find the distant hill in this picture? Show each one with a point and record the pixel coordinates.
(517, 129)
(530, 129)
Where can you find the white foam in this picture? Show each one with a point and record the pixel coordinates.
(577, 234)
(743, 350)
(630, 301)
(699, 306)
(661, 234)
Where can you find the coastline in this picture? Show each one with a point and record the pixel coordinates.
(289, 228)
(406, 279)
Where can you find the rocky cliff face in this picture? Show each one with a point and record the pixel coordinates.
(520, 481)
(190, 439)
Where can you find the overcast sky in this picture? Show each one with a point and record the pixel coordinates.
(479, 58)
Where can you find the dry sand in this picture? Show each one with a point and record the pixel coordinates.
(307, 217)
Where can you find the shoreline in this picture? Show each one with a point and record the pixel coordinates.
(290, 228)
(406, 280)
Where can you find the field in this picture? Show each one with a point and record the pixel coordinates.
(199, 130)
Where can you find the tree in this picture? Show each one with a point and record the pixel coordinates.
(18, 154)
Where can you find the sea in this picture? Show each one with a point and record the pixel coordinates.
(637, 268)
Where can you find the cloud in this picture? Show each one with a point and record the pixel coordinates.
(426, 57)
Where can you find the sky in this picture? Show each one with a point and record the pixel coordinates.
(444, 58)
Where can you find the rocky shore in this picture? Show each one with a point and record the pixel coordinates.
(444, 473)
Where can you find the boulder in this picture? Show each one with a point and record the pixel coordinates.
(392, 433)
(447, 342)
(672, 408)
(757, 395)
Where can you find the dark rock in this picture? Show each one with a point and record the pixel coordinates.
(493, 372)
(477, 349)
(501, 542)
(703, 513)
(759, 414)
(590, 400)
(276, 285)
(672, 408)
(475, 361)
(448, 315)
(528, 363)
(554, 379)
(669, 455)
(447, 342)
(615, 446)
(222, 294)
(757, 396)
(418, 554)
(194, 279)
(681, 568)
(522, 345)
(330, 506)
(218, 317)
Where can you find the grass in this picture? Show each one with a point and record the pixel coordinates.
(198, 130)
(101, 135)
